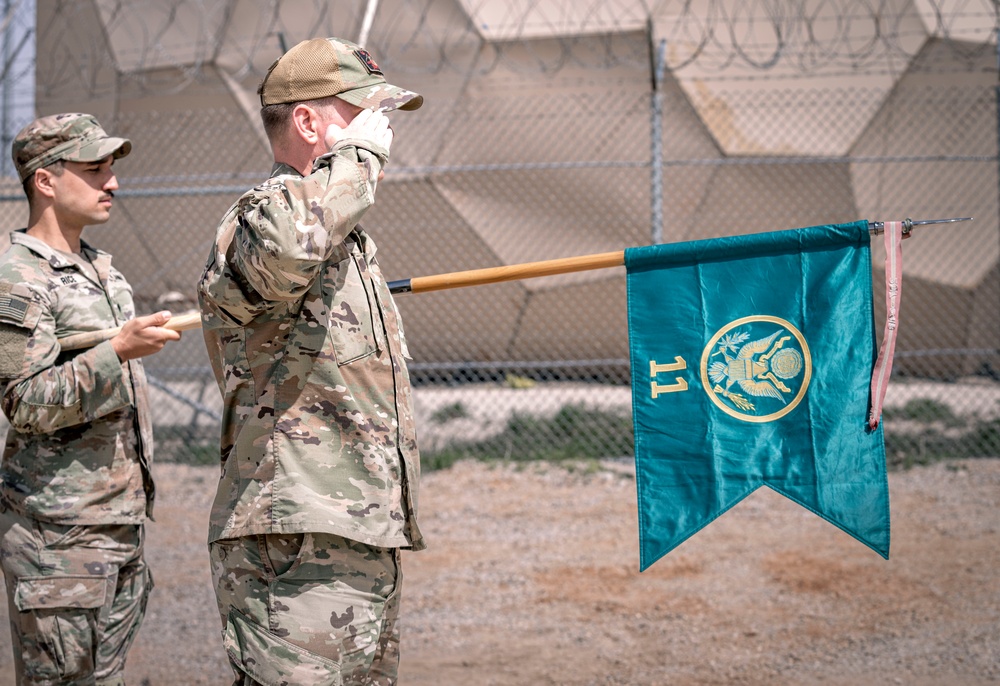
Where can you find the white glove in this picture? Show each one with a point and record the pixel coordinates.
(370, 125)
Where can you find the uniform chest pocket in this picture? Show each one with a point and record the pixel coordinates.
(353, 310)
(82, 305)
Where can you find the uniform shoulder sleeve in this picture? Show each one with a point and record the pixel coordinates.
(286, 232)
(23, 293)
(42, 393)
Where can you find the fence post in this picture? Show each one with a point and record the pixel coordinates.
(997, 88)
(656, 134)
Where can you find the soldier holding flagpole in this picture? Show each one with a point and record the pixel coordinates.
(75, 483)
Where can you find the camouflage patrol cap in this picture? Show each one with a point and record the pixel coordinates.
(321, 67)
(73, 137)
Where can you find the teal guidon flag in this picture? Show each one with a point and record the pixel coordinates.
(752, 360)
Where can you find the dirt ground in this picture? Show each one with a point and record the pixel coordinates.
(532, 578)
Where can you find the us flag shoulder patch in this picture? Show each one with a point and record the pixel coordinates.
(368, 61)
(13, 308)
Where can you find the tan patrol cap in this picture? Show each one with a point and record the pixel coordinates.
(321, 67)
(74, 137)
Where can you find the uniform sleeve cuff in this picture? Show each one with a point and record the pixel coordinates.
(111, 388)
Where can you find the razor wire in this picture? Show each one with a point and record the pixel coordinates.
(149, 39)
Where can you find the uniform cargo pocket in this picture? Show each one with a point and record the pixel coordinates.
(57, 626)
(48, 592)
(274, 661)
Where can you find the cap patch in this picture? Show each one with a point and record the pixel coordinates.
(368, 61)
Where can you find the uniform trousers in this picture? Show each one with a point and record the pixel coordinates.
(77, 596)
(308, 609)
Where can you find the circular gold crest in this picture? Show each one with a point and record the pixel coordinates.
(756, 369)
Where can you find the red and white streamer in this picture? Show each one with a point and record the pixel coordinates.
(893, 294)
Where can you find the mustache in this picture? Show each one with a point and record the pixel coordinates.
(108, 195)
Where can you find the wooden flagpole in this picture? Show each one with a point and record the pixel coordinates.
(420, 284)
(472, 277)
(513, 272)
(181, 322)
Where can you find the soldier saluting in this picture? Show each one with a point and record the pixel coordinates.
(75, 482)
(318, 491)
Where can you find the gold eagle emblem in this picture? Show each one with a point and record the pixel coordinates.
(761, 368)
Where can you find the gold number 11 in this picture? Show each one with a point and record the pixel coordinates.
(679, 383)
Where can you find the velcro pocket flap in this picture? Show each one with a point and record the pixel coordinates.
(18, 316)
(274, 661)
(47, 592)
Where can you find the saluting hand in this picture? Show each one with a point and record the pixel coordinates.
(143, 336)
(372, 125)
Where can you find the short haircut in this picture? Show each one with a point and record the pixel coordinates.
(276, 118)
(28, 185)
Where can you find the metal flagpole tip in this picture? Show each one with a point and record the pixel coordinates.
(877, 228)
(908, 223)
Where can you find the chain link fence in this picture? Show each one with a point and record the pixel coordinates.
(556, 151)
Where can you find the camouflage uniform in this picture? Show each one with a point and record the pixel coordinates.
(75, 482)
(319, 456)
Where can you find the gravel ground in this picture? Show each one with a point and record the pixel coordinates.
(532, 578)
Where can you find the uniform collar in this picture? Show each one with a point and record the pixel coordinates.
(56, 258)
(283, 169)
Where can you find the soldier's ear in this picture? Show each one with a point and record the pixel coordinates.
(307, 124)
(43, 183)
